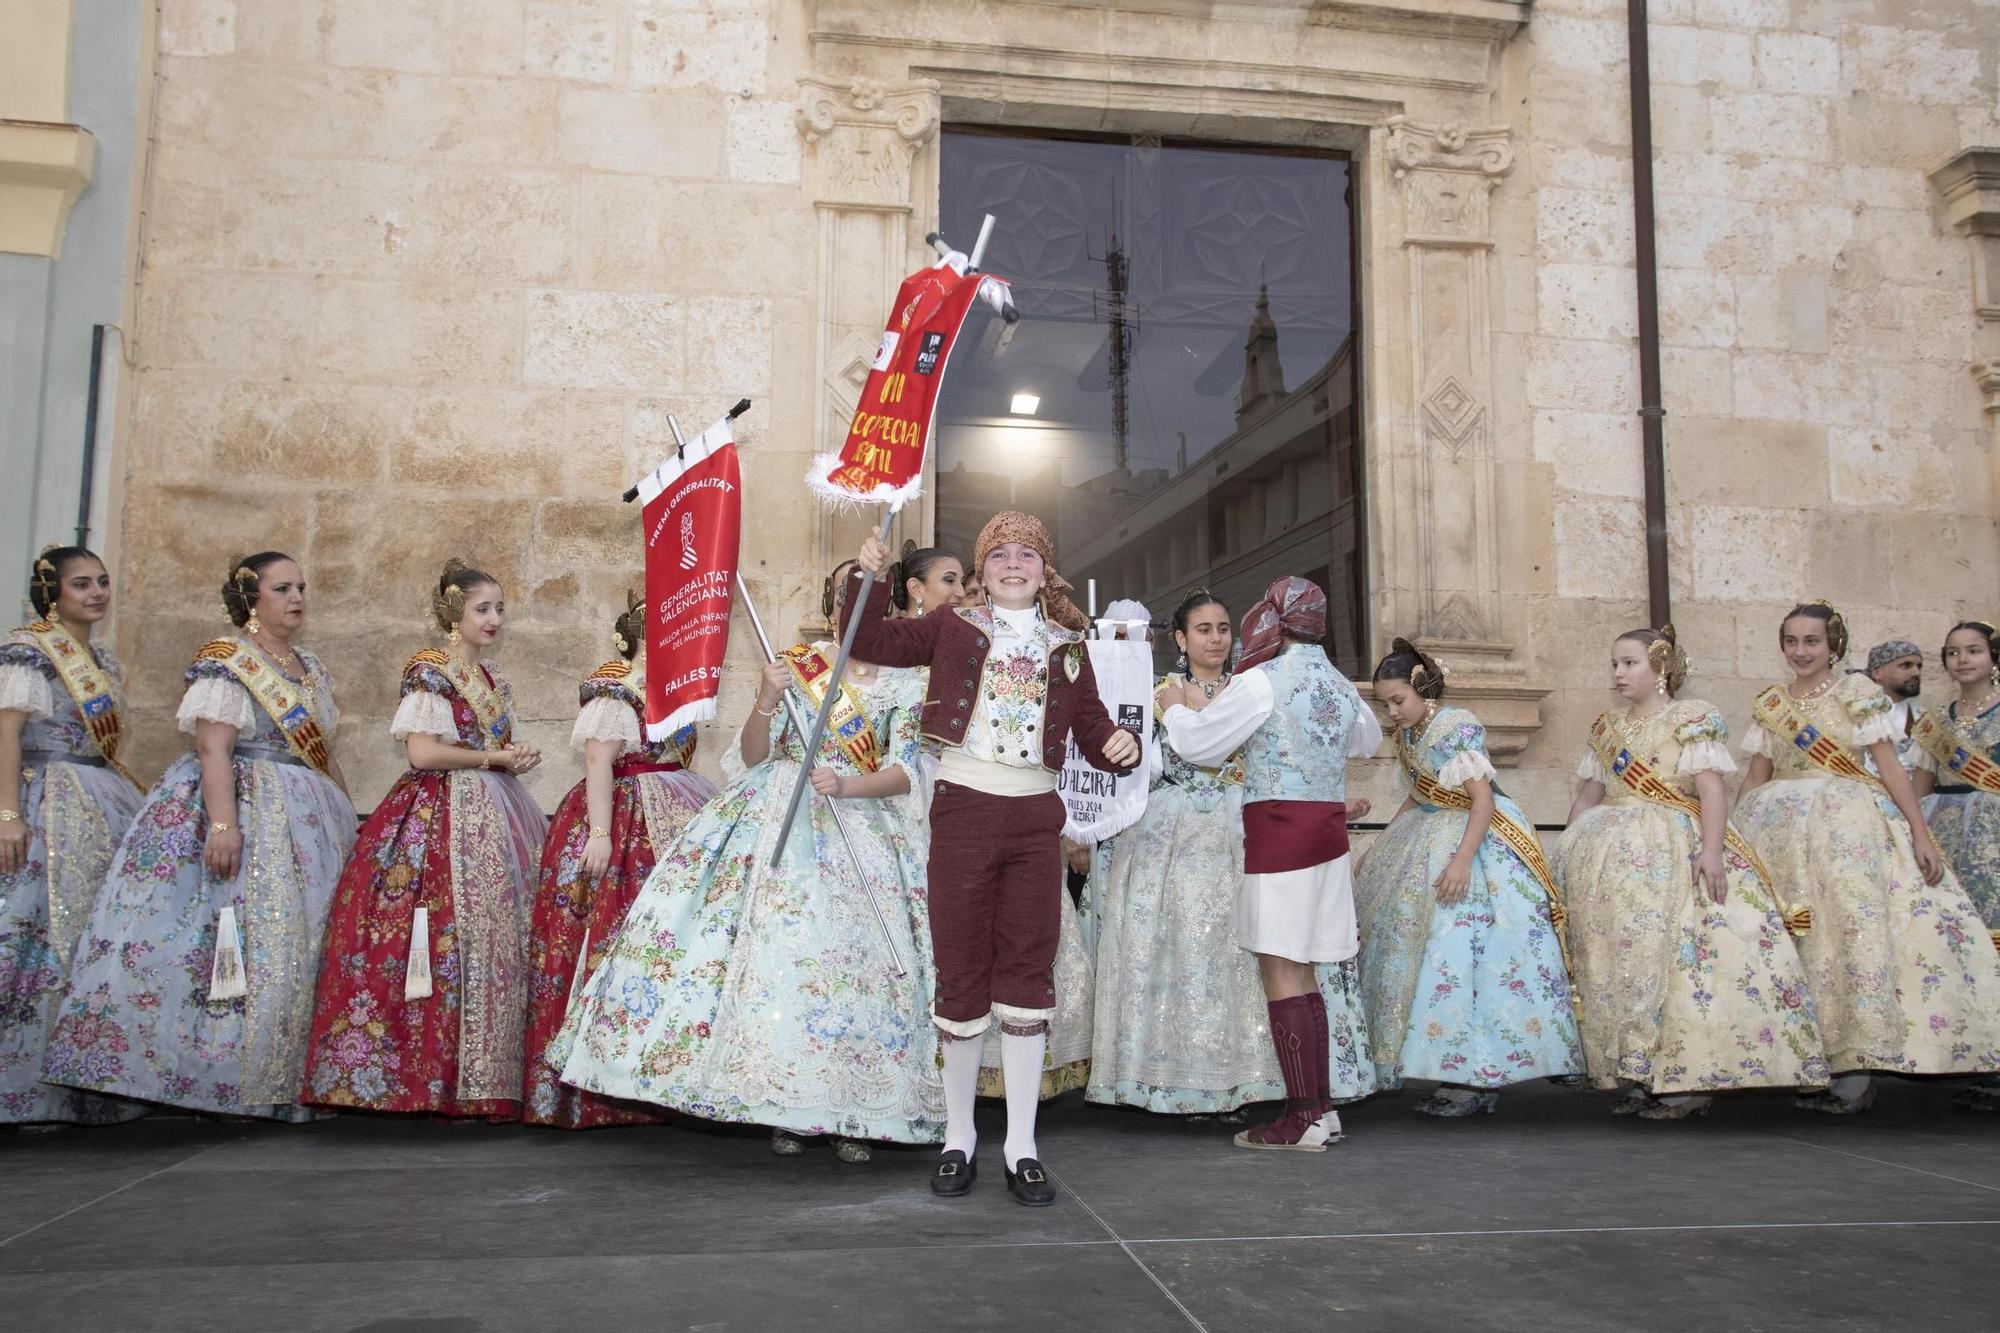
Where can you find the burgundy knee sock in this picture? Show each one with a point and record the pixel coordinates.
(1322, 1050)
(1293, 1036)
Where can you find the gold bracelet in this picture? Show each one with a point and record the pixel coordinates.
(219, 827)
(772, 711)
(10, 816)
(597, 831)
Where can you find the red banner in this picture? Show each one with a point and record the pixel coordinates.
(882, 461)
(694, 517)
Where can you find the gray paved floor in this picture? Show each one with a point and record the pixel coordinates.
(1550, 1215)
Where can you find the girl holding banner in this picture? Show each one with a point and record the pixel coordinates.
(423, 994)
(193, 983)
(1685, 974)
(64, 804)
(753, 989)
(635, 797)
(1904, 974)
(1008, 684)
(1462, 969)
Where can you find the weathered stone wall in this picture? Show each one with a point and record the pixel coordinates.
(424, 278)
(1825, 435)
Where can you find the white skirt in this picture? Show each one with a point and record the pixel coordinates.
(1304, 915)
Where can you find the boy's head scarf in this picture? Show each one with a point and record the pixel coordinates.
(1291, 606)
(1014, 526)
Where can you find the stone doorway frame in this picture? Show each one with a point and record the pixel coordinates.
(1406, 96)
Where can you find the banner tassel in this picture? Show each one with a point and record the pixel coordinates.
(225, 975)
(417, 972)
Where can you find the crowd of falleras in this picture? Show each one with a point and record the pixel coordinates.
(227, 943)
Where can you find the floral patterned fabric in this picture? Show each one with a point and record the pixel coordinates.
(137, 1019)
(1007, 719)
(748, 989)
(462, 845)
(1473, 994)
(649, 809)
(1904, 973)
(1966, 824)
(76, 813)
(1678, 994)
(1181, 1024)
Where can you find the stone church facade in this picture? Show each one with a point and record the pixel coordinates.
(412, 278)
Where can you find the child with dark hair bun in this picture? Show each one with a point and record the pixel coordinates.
(636, 796)
(1462, 970)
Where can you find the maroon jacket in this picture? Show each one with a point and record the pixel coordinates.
(954, 646)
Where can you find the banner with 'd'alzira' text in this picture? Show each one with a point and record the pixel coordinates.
(694, 518)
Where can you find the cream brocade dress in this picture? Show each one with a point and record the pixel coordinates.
(1904, 974)
(1678, 994)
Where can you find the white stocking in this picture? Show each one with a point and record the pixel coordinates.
(1021, 1061)
(961, 1090)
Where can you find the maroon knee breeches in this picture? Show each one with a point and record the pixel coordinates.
(996, 886)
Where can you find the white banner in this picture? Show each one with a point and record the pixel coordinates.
(1101, 804)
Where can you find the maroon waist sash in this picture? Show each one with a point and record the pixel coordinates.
(1292, 835)
(632, 766)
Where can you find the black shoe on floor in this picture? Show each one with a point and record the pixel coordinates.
(1030, 1185)
(954, 1175)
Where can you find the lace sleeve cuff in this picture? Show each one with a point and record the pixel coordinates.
(1467, 766)
(423, 713)
(1705, 757)
(210, 699)
(25, 690)
(1757, 742)
(607, 718)
(1591, 769)
(1920, 759)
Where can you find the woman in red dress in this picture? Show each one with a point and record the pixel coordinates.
(422, 1000)
(635, 797)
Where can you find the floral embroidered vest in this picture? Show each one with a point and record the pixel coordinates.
(1300, 753)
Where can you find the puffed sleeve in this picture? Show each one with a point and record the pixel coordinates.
(1462, 744)
(607, 718)
(1873, 712)
(1704, 745)
(25, 686)
(426, 706)
(1757, 743)
(1924, 761)
(213, 695)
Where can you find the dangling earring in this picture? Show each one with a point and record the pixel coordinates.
(452, 636)
(1430, 711)
(920, 606)
(1660, 685)
(1994, 675)
(1180, 662)
(254, 625)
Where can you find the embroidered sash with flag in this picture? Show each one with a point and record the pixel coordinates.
(76, 666)
(1954, 756)
(1637, 776)
(489, 710)
(1776, 712)
(849, 723)
(279, 697)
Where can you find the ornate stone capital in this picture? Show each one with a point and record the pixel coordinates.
(1447, 173)
(1969, 186)
(1988, 375)
(863, 134)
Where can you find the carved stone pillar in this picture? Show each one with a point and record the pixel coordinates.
(1444, 177)
(862, 138)
(1969, 185)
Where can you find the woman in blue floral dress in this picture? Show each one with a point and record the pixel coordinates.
(193, 984)
(1958, 775)
(67, 803)
(747, 989)
(1462, 970)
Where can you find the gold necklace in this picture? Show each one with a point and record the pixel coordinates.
(1816, 693)
(1964, 721)
(1209, 688)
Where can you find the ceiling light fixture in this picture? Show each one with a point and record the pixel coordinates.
(1024, 404)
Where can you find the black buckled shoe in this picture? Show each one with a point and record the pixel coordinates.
(1030, 1185)
(954, 1175)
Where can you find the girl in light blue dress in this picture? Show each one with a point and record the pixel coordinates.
(756, 990)
(1462, 970)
